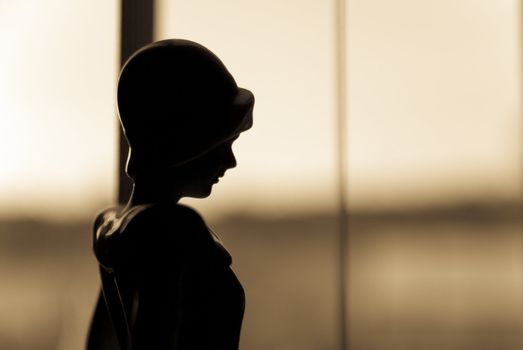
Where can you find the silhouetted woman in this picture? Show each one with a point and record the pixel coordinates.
(166, 278)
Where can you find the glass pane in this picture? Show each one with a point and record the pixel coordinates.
(435, 174)
(275, 210)
(57, 148)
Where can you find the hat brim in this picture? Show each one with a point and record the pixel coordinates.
(240, 119)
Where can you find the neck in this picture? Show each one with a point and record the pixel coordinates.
(154, 191)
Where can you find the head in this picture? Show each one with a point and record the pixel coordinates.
(181, 110)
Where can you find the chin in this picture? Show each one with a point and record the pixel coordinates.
(201, 193)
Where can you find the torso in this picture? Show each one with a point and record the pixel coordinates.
(174, 276)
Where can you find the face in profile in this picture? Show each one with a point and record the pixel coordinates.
(196, 178)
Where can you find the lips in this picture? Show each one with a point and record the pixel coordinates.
(216, 179)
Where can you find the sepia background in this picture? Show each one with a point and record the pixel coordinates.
(434, 165)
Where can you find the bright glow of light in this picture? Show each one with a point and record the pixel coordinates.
(434, 101)
(57, 125)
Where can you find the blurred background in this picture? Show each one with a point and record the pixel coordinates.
(433, 160)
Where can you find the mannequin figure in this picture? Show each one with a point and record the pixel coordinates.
(166, 278)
